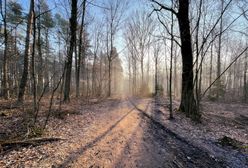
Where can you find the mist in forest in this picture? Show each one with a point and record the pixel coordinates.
(120, 83)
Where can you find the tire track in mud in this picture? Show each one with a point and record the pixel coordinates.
(123, 134)
(181, 152)
(130, 136)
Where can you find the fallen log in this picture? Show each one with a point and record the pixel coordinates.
(7, 145)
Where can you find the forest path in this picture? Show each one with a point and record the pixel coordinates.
(128, 135)
(122, 133)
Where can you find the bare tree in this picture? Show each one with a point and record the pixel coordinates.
(218, 82)
(97, 37)
(81, 47)
(33, 64)
(25, 72)
(73, 30)
(40, 57)
(245, 78)
(114, 18)
(156, 61)
(171, 57)
(140, 31)
(188, 103)
(5, 89)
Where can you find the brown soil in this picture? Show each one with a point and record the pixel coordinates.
(116, 133)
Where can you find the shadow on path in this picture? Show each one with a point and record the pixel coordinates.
(176, 151)
(75, 154)
(125, 154)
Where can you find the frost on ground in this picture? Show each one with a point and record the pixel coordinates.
(135, 133)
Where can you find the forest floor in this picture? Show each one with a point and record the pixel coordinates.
(133, 133)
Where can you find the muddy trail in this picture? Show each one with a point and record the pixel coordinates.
(127, 133)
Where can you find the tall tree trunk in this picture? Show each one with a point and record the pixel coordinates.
(76, 64)
(171, 57)
(25, 73)
(87, 82)
(200, 77)
(16, 78)
(93, 87)
(40, 59)
(5, 57)
(175, 74)
(156, 74)
(81, 50)
(73, 29)
(110, 59)
(142, 71)
(211, 67)
(134, 76)
(46, 66)
(33, 66)
(167, 79)
(218, 82)
(245, 78)
(188, 102)
(101, 78)
(109, 77)
(148, 66)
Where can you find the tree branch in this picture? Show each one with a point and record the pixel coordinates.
(224, 71)
(164, 7)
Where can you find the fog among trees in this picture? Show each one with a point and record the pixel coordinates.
(180, 67)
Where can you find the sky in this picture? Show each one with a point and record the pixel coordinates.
(93, 10)
(95, 13)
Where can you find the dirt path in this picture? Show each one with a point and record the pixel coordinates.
(118, 134)
(126, 137)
